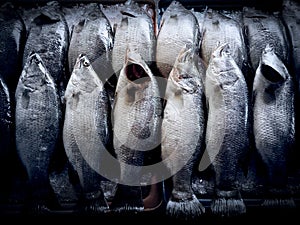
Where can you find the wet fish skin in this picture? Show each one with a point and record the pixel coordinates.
(178, 27)
(274, 122)
(290, 17)
(92, 35)
(137, 117)
(37, 121)
(261, 28)
(6, 143)
(87, 131)
(227, 139)
(49, 37)
(135, 31)
(183, 130)
(219, 27)
(12, 39)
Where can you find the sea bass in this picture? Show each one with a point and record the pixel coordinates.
(5, 138)
(274, 124)
(37, 121)
(291, 18)
(87, 131)
(178, 27)
(135, 31)
(92, 36)
(137, 115)
(183, 130)
(227, 133)
(261, 28)
(49, 37)
(12, 39)
(218, 29)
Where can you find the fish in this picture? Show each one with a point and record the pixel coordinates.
(263, 27)
(227, 131)
(219, 28)
(136, 115)
(12, 39)
(290, 17)
(49, 37)
(87, 132)
(178, 27)
(183, 130)
(92, 35)
(6, 139)
(135, 31)
(114, 12)
(37, 129)
(274, 124)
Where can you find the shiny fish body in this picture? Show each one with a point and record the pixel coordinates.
(49, 37)
(87, 130)
(12, 38)
(5, 139)
(263, 28)
(5, 120)
(218, 29)
(290, 15)
(183, 130)
(135, 31)
(92, 36)
(37, 121)
(227, 133)
(178, 27)
(274, 119)
(136, 122)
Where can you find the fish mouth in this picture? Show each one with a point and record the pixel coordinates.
(135, 73)
(271, 67)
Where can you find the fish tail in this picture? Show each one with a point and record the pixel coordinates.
(185, 209)
(279, 203)
(228, 204)
(278, 198)
(94, 203)
(228, 207)
(127, 199)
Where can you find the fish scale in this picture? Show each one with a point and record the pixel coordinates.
(37, 125)
(274, 123)
(227, 135)
(135, 30)
(183, 129)
(178, 27)
(136, 121)
(92, 36)
(86, 131)
(263, 28)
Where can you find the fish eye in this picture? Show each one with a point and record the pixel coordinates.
(86, 63)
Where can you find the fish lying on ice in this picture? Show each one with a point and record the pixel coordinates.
(87, 132)
(178, 27)
(135, 31)
(227, 132)
(274, 124)
(183, 130)
(261, 28)
(137, 115)
(37, 124)
(12, 39)
(48, 36)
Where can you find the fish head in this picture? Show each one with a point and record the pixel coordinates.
(271, 66)
(223, 69)
(35, 74)
(83, 76)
